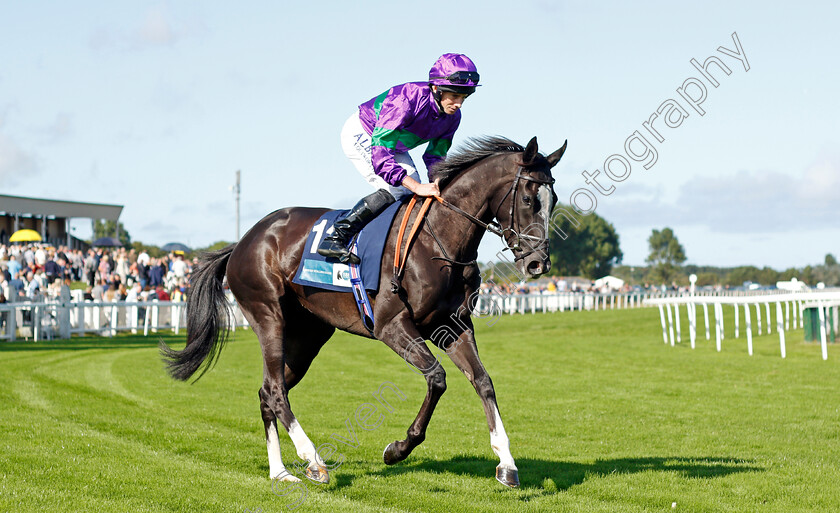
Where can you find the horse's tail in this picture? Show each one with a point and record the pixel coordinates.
(208, 314)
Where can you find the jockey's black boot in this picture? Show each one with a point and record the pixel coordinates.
(345, 228)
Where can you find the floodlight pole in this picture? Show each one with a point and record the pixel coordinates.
(236, 190)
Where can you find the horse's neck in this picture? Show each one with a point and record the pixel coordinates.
(472, 194)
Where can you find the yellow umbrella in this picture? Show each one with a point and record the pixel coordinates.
(26, 235)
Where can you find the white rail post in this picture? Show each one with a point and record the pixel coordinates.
(692, 323)
(780, 329)
(176, 322)
(662, 318)
(718, 327)
(677, 317)
(36, 322)
(670, 324)
(147, 319)
(823, 337)
(133, 313)
(115, 321)
(758, 317)
(767, 309)
(155, 316)
(787, 315)
(64, 312)
(706, 317)
(737, 321)
(749, 327)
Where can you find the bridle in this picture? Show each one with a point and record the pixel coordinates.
(495, 228)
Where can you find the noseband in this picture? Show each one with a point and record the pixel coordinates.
(513, 229)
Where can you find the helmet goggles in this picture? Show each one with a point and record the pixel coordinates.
(461, 78)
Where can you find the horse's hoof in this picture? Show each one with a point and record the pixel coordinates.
(390, 454)
(317, 474)
(508, 477)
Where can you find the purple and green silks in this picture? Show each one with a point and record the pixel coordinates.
(402, 118)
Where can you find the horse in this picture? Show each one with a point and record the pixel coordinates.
(490, 184)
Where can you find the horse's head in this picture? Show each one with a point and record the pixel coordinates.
(525, 210)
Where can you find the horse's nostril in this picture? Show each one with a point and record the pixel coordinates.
(535, 267)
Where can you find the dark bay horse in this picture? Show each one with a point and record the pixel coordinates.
(492, 178)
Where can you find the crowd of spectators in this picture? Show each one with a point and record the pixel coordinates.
(29, 272)
(554, 284)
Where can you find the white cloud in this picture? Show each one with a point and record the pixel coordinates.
(157, 29)
(59, 129)
(15, 163)
(821, 183)
(749, 202)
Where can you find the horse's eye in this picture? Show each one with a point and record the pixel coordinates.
(526, 200)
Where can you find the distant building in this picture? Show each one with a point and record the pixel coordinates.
(50, 218)
(609, 283)
(793, 285)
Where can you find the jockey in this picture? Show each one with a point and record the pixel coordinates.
(379, 135)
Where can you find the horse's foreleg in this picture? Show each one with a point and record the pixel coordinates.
(464, 353)
(403, 338)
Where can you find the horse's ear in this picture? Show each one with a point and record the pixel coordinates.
(555, 157)
(530, 151)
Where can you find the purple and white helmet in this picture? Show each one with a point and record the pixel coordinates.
(454, 72)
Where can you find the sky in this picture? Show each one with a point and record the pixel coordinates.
(156, 105)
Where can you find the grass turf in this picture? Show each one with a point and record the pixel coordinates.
(602, 416)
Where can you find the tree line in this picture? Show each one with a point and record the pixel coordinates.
(591, 249)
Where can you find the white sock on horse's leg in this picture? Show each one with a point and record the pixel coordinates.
(500, 443)
(304, 446)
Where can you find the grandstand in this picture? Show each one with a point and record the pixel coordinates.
(50, 218)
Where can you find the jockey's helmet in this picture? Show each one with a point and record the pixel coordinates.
(454, 73)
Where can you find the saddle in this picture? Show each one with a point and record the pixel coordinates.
(325, 273)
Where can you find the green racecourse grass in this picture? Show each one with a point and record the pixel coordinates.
(602, 416)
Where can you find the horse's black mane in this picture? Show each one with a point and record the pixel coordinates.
(471, 152)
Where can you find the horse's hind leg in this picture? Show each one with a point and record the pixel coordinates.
(304, 336)
(270, 325)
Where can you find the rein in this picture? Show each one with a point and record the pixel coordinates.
(492, 227)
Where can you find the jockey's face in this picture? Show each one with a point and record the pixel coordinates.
(451, 102)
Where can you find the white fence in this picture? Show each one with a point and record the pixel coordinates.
(789, 309)
(493, 304)
(490, 304)
(61, 319)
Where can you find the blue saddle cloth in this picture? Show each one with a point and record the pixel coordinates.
(329, 274)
